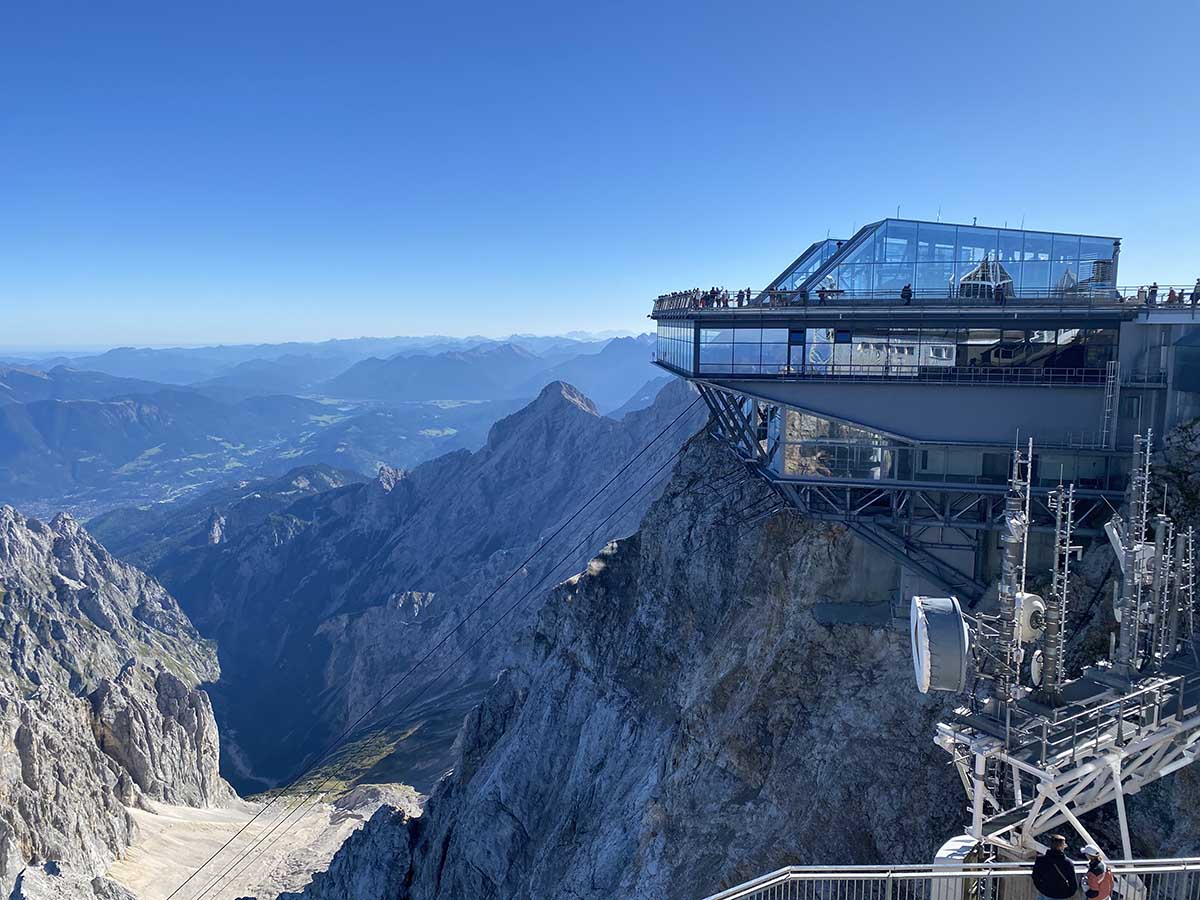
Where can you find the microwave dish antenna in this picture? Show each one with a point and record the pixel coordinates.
(941, 644)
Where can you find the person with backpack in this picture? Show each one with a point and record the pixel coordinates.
(1054, 874)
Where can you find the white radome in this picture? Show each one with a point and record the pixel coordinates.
(940, 644)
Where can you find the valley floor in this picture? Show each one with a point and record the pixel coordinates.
(173, 841)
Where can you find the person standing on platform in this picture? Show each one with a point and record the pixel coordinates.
(1098, 882)
(1054, 874)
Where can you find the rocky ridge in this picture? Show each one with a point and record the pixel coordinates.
(99, 708)
(708, 701)
(348, 587)
(692, 709)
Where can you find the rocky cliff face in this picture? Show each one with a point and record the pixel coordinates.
(710, 699)
(320, 605)
(98, 703)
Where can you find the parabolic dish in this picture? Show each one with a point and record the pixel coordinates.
(940, 644)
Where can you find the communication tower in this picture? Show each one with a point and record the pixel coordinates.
(1037, 750)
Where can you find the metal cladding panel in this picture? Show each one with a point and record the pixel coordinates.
(974, 414)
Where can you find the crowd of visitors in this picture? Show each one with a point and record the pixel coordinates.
(721, 298)
(1149, 295)
(713, 298)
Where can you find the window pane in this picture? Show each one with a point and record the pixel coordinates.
(976, 244)
(936, 243)
(716, 354)
(745, 355)
(1070, 353)
(720, 335)
(864, 253)
(1037, 246)
(934, 278)
(899, 244)
(1011, 244)
(1095, 248)
(774, 358)
(774, 335)
(1065, 247)
(1035, 276)
(1064, 275)
(891, 277)
(1042, 349)
(854, 278)
(747, 335)
(979, 347)
(1101, 347)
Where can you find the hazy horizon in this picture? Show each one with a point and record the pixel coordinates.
(225, 174)
(43, 350)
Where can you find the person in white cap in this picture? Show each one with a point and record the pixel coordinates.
(1098, 883)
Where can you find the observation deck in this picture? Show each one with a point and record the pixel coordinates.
(882, 380)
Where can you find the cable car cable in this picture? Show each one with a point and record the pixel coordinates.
(350, 728)
(249, 854)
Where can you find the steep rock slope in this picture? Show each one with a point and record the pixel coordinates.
(98, 706)
(326, 602)
(709, 699)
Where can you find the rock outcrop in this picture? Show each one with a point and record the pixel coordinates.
(691, 710)
(320, 605)
(99, 708)
(697, 708)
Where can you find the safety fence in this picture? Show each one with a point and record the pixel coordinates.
(1081, 296)
(1160, 879)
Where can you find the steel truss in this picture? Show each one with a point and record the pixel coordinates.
(915, 523)
(1046, 779)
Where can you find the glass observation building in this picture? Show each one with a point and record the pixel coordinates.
(883, 380)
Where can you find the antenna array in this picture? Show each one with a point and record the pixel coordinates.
(1036, 750)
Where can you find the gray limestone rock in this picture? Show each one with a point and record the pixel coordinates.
(99, 706)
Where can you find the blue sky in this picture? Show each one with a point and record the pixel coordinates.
(187, 173)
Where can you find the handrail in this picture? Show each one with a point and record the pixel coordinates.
(963, 295)
(843, 373)
(974, 871)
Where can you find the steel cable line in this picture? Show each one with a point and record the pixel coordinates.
(246, 857)
(336, 742)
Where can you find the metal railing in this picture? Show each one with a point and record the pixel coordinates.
(1118, 720)
(852, 372)
(1167, 879)
(964, 296)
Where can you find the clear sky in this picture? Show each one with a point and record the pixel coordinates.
(196, 172)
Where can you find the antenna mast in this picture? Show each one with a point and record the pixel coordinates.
(1062, 502)
(1133, 557)
(1012, 581)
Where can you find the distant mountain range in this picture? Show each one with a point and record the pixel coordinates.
(117, 428)
(193, 365)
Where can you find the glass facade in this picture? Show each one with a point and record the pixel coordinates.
(744, 351)
(676, 344)
(964, 260)
(811, 260)
(813, 446)
(902, 352)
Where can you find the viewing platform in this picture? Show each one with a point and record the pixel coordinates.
(882, 380)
